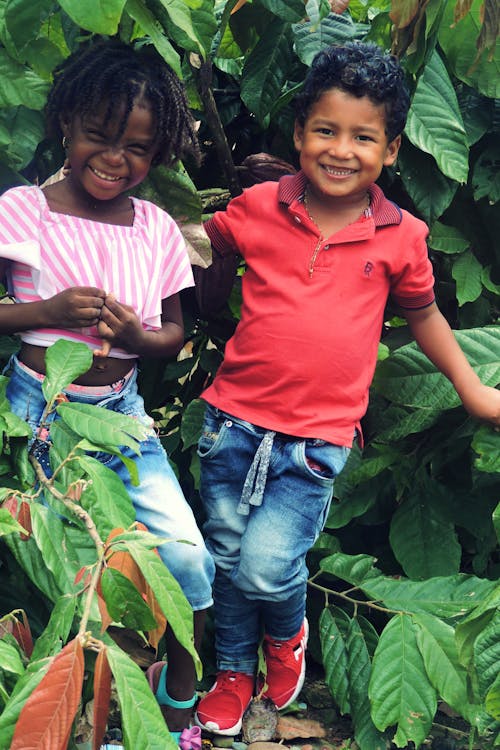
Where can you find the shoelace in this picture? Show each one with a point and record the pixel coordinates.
(229, 680)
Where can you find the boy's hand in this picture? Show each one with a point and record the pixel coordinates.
(118, 325)
(483, 402)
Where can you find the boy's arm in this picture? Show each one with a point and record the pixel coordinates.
(435, 338)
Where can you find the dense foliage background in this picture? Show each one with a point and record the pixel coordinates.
(404, 580)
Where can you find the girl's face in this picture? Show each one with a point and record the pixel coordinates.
(103, 162)
(343, 146)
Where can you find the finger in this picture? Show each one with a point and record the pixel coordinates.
(104, 350)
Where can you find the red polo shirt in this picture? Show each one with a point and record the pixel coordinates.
(304, 352)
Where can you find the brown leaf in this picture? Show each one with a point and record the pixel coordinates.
(403, 12)
(102, 697)
(20, 630)
(47, 716)
(289, 728)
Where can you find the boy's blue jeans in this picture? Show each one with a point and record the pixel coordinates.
(158, 499)
(266, 498)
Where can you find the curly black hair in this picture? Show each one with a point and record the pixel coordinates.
(110, 73)
(360, 69)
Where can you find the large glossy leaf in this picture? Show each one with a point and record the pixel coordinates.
(399, 690)
(408, 377)
(100, 17)
(169, 594)
(10, 658)
(143, 725)
(435, 124)
(359, 668)
(486, 175)
(266, 69)
(58, 555)
(23, 20)
(447, 239)
(106, 498)
(147, 21)
(23, 689)
(436, 641)
(310, 37)
(492, 701)
(487, 655)
(102, 697)
(46, 718)
(458, 41)
(57, 629)
(333, 649)
(192, 421)
(124, 602)
(423, 541)
(176, 17)
(430, 190)
(103, 427)
(467, 272)
(288, 10)
(26, 130)
(448, 596)
(19, 85)
(65, 361)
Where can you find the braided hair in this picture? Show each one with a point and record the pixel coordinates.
(360, 69)
(117, 75)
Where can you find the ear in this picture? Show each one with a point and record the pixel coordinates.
(298, 135)
(392, 151)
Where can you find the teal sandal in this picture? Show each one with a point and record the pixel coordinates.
(189, 738)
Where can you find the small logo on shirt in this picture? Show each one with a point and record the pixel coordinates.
(368, 268)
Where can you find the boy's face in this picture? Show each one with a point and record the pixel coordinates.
(343, 146)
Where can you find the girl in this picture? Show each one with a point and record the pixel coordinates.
(88, 263)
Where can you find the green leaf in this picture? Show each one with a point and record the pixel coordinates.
(100, 17)
(24, 20)
(467, 272)
(359, 669)
(26, 129)
(310, 37)
(458, 40)
(19, 85)
(192, 422)
(147, 21)
(447, 239)
(266, 69)
(423, 541)
(486, 443)
(496, 521)
(124, 602)
(434, 121)
(169, 594)
(399, 689)
(334, 652)
(486, 175)
(487, 655)
(22, 690)
(58, 628)
(288, 10)
(10, 659)
(65, 361)
(8, 524)
(58, 555)
(408, 377)
(104, 427)
(106, 498)
(436, 641)
(492, 700)
(143, 725)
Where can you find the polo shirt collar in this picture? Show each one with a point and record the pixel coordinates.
(384, 212)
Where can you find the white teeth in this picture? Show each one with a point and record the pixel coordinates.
(339, 172)
(104, 176)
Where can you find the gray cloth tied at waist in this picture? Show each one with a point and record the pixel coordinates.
(255, 481)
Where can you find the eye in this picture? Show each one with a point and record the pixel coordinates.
(325, 131)
(95, 135)
(139, 148)
(363, 137)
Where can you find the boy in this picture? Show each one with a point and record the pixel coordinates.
(323, 249)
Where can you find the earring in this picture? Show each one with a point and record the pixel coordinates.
(65, 142)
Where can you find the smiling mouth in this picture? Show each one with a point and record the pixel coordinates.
(103, 175)
(337, 172)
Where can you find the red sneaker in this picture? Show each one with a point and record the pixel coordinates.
(222, 709)
(286, 667)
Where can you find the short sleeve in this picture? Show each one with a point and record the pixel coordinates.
(412, 283)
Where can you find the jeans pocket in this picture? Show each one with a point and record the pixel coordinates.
(322, 460)
(214, 426)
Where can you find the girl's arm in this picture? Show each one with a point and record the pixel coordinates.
(435, 337)
(76, 307)
(120, 326)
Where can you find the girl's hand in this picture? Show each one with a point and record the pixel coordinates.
(119, 325)
(76, 307)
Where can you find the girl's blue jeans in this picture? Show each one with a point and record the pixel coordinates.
(266, 498)
(158, 499)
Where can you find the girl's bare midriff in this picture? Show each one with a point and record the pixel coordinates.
(104, 370)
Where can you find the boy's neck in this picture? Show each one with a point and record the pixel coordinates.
(332, 216)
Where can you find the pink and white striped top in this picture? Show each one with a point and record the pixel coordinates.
(49, 252)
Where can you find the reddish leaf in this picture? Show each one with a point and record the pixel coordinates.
(103, 610)
(20, 630)
(11, 504)
(24, 519)
(102, 696)
(47, 716)
(82, 574)
(155, 636)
